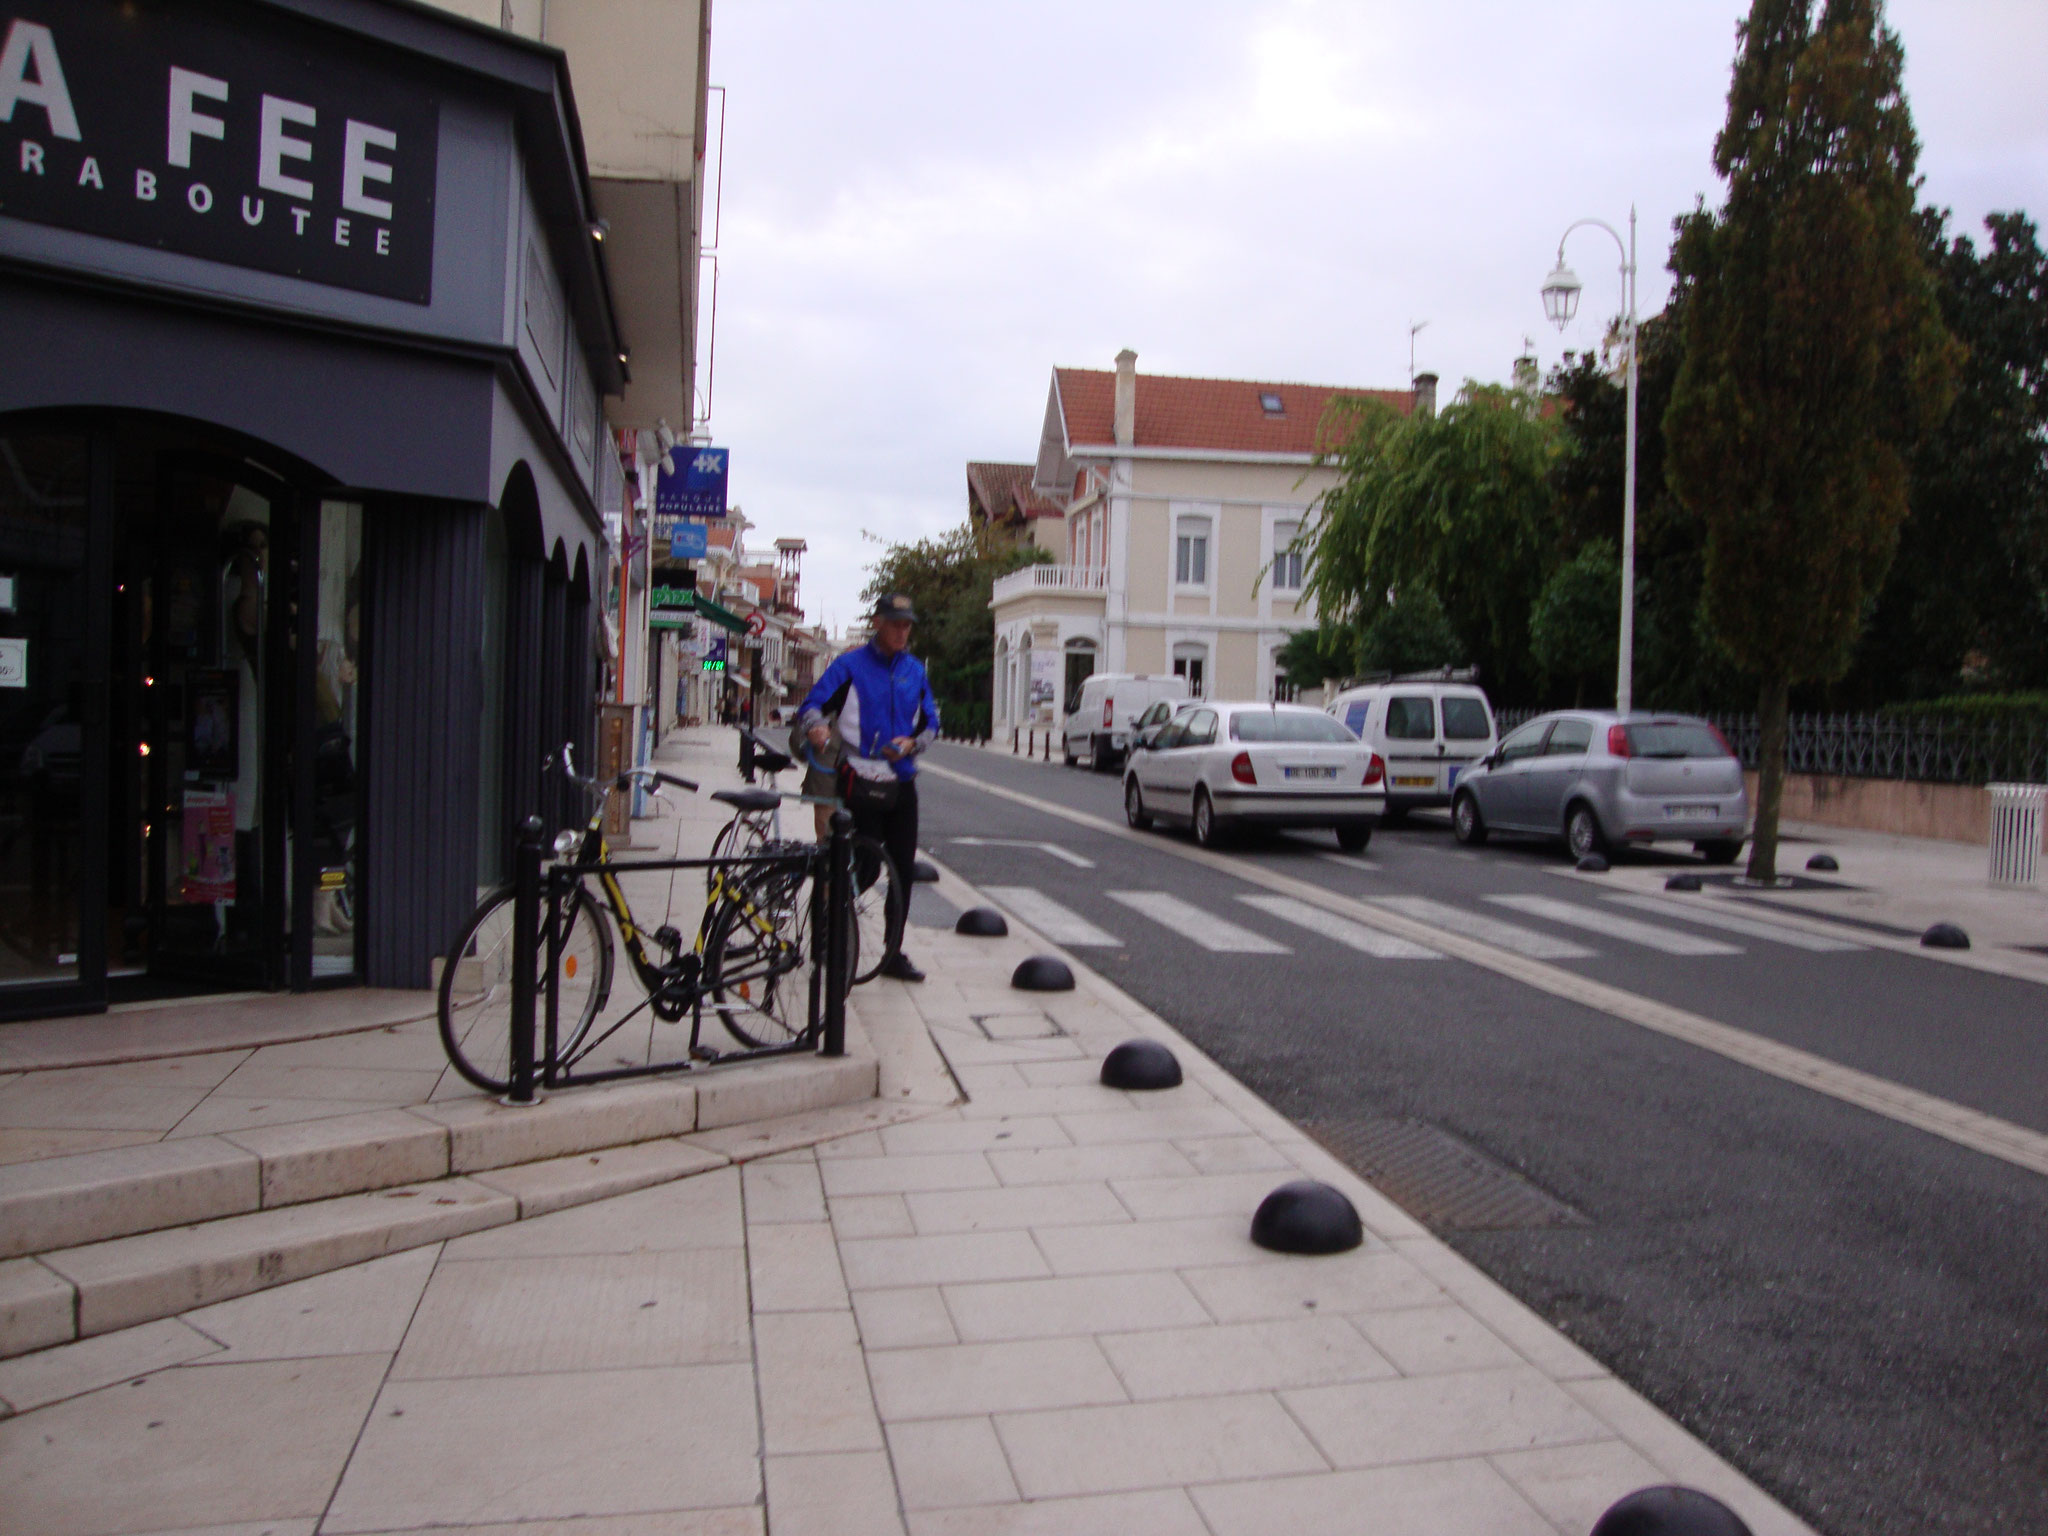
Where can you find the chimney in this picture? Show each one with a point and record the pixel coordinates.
(1126, 398)
(1425, 394)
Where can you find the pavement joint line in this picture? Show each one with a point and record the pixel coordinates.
(1908, 1106)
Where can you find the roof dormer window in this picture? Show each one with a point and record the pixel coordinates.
(1270, 403)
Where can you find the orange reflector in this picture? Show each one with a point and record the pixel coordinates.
(569, 966)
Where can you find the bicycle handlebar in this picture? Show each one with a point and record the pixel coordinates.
(654, 776)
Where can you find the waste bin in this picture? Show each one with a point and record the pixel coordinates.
(614, 757)
(2016, 832)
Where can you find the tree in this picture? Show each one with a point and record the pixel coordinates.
(1409, 632)
(1575, 631)
(948, 580)
(1458, 505)
(1310, 656)
(1815, 355)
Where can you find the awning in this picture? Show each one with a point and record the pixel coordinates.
(723, 617)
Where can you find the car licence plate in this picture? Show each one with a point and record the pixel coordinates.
(1308, 773)
(1415, 781)
(1691, 812)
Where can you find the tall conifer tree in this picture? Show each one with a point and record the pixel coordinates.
(1815, 354)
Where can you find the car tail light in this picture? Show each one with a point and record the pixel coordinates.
(1108, 713)
(1375, 770)
(1725, 748)
(1617, 742)
(1241, 769)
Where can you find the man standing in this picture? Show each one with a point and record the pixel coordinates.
(885, 716)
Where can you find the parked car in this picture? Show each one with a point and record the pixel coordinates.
(1218, 767)
(1428, 731)
(1102, 715)
(1147, 727)
(1601, 780)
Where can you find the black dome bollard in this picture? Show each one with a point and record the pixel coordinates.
(1824, 863)
(923, 873)
(1683, 883)
(1945, 936)
(1042, 973)
(982, 923)
(1141, 1064)
(1670, 1511)
(1304, 1216)
(1592, 864)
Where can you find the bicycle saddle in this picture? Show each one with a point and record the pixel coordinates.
(748, 799)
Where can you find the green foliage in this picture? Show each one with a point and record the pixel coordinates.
(948, 580)
(2028, 707)
(1409, 633)
(1574, 633)
(1312, 655)
(1815, 355)
(1458, 505)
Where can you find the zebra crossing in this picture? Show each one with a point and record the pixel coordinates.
(1217, 934)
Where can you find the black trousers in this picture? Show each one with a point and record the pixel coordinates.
(896, 830)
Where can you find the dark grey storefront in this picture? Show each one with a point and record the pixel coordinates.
(303, 332)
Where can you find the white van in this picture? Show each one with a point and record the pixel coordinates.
(1428, 731)
(1106, 706)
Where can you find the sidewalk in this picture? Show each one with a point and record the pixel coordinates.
(1034, 1312)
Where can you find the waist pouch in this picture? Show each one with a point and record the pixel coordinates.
(865, 794)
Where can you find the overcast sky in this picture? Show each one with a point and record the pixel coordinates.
(930, 204)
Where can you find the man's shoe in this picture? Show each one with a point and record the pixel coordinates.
(898, 968)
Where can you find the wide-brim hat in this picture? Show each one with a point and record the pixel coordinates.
(897, 605)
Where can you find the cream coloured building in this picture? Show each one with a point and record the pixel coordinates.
(1181, 497)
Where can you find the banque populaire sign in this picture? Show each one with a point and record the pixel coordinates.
(229, 134)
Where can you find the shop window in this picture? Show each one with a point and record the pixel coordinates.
(337, 679)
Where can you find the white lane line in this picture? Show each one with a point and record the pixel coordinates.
(1369, 941)
(1488, 930)
(1061, 924)
(1348, 860)
(1755, 928)
(1670, 941)
(1026, 842)
(1213, 933)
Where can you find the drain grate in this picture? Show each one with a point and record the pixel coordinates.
(1441, 1181)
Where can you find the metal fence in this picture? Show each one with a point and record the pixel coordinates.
(1931, 749)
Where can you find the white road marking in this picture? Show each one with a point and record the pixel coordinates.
(1213, 933)
(1703, 912)
(1348, 860)
(1026, 842)
(1060, 924)
(1357, 936)
(1488, 930)
(1669, 941)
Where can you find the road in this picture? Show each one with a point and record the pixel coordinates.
(1852, 1310)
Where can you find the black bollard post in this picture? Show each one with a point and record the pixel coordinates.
(525, 956)
(838, 934)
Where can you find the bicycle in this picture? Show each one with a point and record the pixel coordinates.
(755, 935)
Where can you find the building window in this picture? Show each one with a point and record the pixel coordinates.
(1191, 661)
(1286, 557)
(1191, 553)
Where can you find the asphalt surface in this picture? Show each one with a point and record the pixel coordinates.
(1852, 1311)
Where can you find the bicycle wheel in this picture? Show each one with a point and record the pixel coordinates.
(476, 987)
(756, 963)
(880, 904)
(742, 837)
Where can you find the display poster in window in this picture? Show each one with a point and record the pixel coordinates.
(212, 725)
(207, 848)
(1045, 677)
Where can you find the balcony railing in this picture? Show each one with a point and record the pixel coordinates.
(1050, 578)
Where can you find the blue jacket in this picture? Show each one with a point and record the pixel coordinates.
(876, 699)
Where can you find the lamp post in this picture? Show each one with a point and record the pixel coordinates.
(1560, 303)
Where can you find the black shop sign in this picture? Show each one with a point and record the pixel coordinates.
(225, 133)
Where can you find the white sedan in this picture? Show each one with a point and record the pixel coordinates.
(1223, 766)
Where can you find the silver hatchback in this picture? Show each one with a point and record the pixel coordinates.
(1601, 780)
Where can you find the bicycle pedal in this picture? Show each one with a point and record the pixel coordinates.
(668, 938)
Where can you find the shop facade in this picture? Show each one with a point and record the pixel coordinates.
(304, 332)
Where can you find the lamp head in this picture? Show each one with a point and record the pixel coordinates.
(1561, 295)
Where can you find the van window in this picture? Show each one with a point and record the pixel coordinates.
(1355, 716)
(1286, 725)
(1411, 717)
(1466, 719)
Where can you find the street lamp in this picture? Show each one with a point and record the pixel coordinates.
(1560, 302)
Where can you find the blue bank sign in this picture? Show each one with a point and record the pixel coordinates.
(691, 483)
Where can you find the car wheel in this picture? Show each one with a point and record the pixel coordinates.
(1582, 831)
(1720, 850)
(1134, 805)
(1207, 833)
(1101, 759)
(1067, 753)
(1353, 839)
(1466, 825)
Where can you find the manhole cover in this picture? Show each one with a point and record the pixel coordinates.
(1441, 1181)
